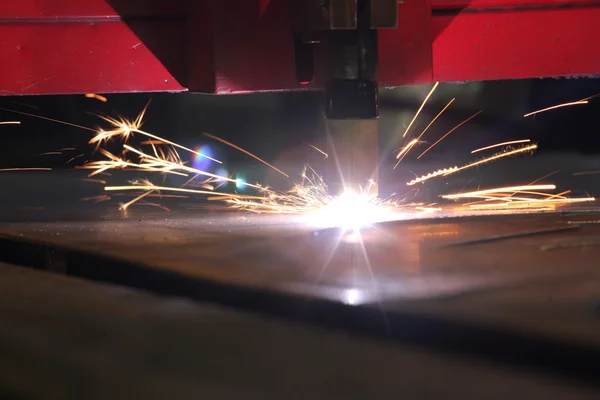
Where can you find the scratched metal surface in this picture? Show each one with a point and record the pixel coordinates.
(67, 338)
(546, 282)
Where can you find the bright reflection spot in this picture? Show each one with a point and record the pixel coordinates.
(240, 182)
(350, 211)
(352, 297)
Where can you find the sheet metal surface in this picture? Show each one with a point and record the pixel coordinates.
(547, 283)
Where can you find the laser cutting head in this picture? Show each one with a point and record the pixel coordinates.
(347, 30)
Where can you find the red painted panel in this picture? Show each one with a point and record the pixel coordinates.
(405, 53)
(436, 4)
(87, 57)
(253, 47)
(523, 44)
(88, 8)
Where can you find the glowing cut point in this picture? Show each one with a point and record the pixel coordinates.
(350, 211)
(352, 297)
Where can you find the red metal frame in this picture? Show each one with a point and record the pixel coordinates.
(237, 46)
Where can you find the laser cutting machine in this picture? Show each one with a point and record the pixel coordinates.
(347, 48)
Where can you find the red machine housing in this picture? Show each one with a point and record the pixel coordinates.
(239, 46)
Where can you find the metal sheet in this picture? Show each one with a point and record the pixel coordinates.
(56, 328)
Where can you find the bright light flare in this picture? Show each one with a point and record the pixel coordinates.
(351, 211)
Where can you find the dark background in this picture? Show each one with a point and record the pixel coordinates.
(275, 125)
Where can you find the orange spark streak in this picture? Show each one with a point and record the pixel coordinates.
(452, 170)
(422, 133)
(101, 197)
(124, 128)
(317, 149)
(168, 166)
(434, 119)
(452, 130)
(94, 180)
(573, 103)
(25, 169)
(51, 153)
(124, 206)
(498, 190)
(495, 157)
(421, 108)
(440, 172)
(245, 152)
(48, 119)
(10, 123)
(96, 96)
(165, 188)
(586, 173)
(405, 150)
(537, 203)
(501, 144)
(74, 158)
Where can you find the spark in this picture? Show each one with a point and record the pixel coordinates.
(500, 145)
(163, 165)
(148, 187)
(124, 128)
(573, 103)
(311, 201)
(449, 132)
(10, 122)
(529, 197)
(435, 118)
(51, 153)
(97, 198)
(421, 108)
(245, 152)
(48, 119)
(124, 206)
(434, 174)
(498, 156)
(586, 173)
(94, 180)
(73, 158)
(452, 170)
(498, 190)
(403, 152)
(317, 149)
(25, 169)
(96, 96)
